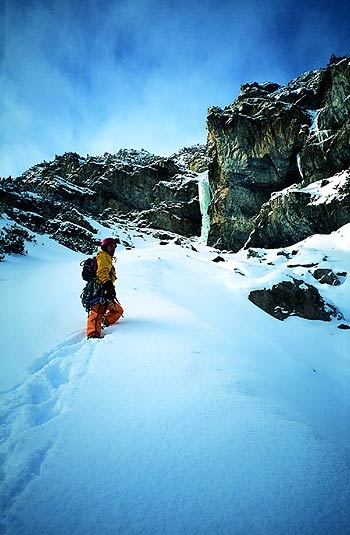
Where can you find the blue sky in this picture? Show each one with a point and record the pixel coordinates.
(95, 76)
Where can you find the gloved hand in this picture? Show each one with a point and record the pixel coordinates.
(109, 290)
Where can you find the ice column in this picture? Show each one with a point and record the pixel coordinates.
(299, 165)
(204, 201)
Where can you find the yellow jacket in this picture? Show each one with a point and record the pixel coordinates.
(105, 269)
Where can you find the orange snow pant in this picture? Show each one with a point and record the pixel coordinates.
(109, 313)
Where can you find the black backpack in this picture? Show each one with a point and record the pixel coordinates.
(92, 293)
(89, 267)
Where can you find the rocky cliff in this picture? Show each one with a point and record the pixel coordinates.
(60, 198)
(278, 164)
(267, 147)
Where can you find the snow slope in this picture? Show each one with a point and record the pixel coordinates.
(196, 414)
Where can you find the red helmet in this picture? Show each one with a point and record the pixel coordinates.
(108, 241)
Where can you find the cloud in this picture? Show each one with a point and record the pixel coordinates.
(97, 76)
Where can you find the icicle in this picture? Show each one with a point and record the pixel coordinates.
(321, 135)
(299, 165)
(204, 201)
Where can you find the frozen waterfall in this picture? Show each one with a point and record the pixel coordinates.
(204, 194)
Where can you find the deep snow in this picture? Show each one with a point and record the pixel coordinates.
(196, 414)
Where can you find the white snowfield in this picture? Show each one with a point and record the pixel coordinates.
(196, 414)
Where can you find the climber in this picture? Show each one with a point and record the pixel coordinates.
(108, 310)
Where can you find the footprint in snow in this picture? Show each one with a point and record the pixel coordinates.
(26, 411)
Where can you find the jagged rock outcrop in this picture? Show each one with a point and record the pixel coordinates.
(269, 138)
(294, 298)
(59, 197)
(296, 213)
(326, 276)
(194, 158)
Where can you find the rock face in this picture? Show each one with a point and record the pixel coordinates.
(296, 213)
(269, 138)
(278, 161)
(59, 197)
